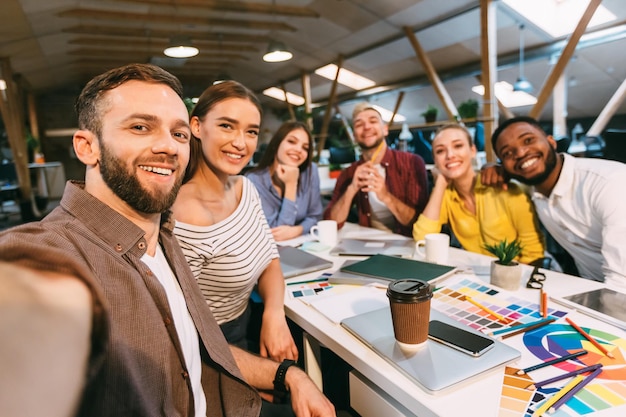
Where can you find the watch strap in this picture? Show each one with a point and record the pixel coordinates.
(280, 390)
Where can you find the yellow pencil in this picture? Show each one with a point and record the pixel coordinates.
(377, 151)
(488, 310)
(545, 406)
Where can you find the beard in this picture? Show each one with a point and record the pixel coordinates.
(373, 146)
(126, 186)
(550, 164)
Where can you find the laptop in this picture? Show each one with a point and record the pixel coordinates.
(434, 367)
(358, 247)
(296, 262)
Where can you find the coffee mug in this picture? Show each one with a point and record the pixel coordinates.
(434, 248)
(325, 231)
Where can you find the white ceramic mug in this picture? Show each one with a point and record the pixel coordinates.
(434, 248)
(325, 231)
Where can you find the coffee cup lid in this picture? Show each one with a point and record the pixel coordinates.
(409, 291)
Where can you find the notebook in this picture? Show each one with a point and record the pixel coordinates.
(383, 269)
(434, 367)
(296, 262)
(357, 247)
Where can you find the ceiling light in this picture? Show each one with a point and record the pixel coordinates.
(180, 47)
(277, 52)
(279, 94)
(522, 84)
(505, 94)
(221, 78)
(346, 77)
(557, 17)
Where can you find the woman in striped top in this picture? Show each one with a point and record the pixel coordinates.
(220, 223)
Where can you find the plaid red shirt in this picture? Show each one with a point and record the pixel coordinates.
(405, 179)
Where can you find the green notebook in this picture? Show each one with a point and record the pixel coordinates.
(388, 268)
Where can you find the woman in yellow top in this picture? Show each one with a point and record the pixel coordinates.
(477, 214)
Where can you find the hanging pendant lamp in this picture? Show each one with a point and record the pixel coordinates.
(522, 84)
(277, 52)
(180, 47)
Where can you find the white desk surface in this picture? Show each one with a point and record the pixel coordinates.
(481, 393)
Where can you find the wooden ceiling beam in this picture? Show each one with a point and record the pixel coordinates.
(177, 19)
(154, 43)
(236, 6)
(125, 32)
(561, 64)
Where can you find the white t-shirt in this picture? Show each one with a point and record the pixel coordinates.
(185, 328)
(382, 218)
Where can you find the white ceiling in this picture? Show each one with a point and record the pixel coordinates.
(52, 45)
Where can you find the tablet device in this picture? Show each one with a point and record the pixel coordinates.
(604, 304)
(294, 262)
(357, 247)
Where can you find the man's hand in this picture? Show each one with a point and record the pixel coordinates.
(306, 398)
(367, 178)
(493, 175)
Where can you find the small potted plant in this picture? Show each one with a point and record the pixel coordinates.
(430, 114)
(506, 273)
(468, 109)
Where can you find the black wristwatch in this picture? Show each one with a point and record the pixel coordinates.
(280, 390)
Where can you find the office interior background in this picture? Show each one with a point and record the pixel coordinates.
(49, 50)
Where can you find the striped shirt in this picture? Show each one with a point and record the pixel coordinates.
(227, 258)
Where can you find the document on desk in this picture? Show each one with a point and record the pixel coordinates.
(434, 367)
(358, 300)
(383, 269)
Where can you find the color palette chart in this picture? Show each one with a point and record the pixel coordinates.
(606, 391)
(602, 394)
(450, 300)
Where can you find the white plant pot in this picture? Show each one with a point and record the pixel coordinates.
(507, 277)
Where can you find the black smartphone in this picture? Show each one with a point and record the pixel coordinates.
(460, 339)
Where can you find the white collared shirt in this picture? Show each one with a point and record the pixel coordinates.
(586, 214)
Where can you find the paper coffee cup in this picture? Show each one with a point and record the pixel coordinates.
(409, 300)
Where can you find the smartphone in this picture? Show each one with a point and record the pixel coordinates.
(457, 338)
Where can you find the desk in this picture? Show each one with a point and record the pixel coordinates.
(386, 391)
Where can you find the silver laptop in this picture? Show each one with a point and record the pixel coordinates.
(435, 366)
(358, 247)
(296, 262)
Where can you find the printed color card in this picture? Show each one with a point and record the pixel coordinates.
(450, 300)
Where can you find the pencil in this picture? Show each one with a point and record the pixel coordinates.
(552, 362)
(308, 281)
(588, 337)
(529, 328)
(376, 152)
(544, 303)
(488, 310)
(574, 390)
(567, 388)
(580, 371)
(520, 326)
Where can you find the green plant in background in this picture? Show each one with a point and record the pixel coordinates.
(505, 251)
(189, 104)
(468, 109)
(430, 114)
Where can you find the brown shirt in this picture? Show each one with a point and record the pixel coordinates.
(136, 365)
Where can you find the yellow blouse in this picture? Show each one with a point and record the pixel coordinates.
(499, 215)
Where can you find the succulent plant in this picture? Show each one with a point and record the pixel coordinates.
(505, 251)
